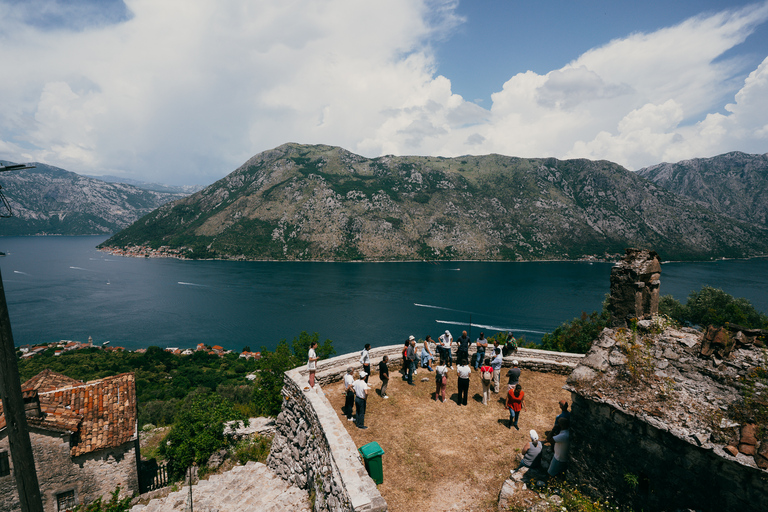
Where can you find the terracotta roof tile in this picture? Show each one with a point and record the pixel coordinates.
(102, 413)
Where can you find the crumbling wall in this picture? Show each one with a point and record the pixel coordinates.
(652, 421)
(90, 476)
(634, 287)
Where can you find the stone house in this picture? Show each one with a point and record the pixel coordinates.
(84, 438)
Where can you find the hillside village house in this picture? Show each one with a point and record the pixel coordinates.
(84, 439)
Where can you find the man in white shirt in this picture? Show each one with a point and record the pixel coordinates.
(365, 360)
(349, 401)
(446, 340)
(361, 395)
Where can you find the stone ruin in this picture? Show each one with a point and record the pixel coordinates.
(634, 287)
(668, 418)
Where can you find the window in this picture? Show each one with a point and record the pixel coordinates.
(65, 501)
(5, 466)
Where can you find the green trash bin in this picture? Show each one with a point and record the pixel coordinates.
(372, 453)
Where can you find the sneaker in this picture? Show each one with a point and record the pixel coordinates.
(411, 384)
(350, 419)
(385, 396)
(362, 428)
(430, 369)
(415, 372)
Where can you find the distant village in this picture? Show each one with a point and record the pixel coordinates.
(29, 351)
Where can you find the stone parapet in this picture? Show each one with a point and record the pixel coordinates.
(333, 369)
(314, 451)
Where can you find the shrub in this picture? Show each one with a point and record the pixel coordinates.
(578, 334)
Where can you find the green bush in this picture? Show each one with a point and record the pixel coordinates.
(115, 504)
(255, 449)
(712, 306)
(198, 431)
(577, 335)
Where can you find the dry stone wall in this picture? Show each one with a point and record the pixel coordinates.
(312, 450)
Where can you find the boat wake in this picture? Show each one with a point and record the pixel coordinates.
(81, 268)
(440, 307)
(192, 284)
(20, 272)
(491, 327)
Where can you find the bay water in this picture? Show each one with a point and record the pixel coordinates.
(62, 288)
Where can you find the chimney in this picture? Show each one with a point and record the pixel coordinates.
(31, 403)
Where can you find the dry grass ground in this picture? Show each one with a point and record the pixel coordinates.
(442, 456)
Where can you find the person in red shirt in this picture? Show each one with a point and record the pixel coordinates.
(515, 404)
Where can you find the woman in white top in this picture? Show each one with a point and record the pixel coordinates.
(312, 363)
(463, 371)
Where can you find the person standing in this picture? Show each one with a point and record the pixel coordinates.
(365, 360)
(486, 375)
(410, 355)
(361, 396)
(349, 400)
(562, 443)
(564, 413)
(446, 340)
(312, 363)
(426, 354)
(404, 371)
(441, 381)
(482, 345)
(384, 376)
(462, 352)
(514, 376)
(462, 371)
(496, 365)
(515, 404)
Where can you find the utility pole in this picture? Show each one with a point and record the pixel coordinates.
(13, 406)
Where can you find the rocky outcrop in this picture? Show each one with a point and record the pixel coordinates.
(300, 202)
(634, 287)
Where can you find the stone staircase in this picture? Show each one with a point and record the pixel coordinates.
(253, 487)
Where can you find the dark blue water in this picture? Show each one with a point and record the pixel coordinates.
(63, 288)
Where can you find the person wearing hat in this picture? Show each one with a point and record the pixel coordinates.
(410, 355)
(531, 452)
(349, 400)
(514, 375)
(361, 396)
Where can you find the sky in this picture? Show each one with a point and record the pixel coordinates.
(184, 91)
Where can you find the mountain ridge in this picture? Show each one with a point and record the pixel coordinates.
(319, 202)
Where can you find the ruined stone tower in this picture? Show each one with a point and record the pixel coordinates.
(634, 287)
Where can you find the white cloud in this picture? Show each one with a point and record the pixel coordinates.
(184, 91)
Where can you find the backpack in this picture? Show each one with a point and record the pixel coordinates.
(487, 376)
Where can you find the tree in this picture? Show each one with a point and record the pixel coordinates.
(712, 306)
(578, 334)
(198, 431)
(272, 365)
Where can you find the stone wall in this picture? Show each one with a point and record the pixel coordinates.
(610, 447)
(90, 476)
(333, 369)
(313, 451)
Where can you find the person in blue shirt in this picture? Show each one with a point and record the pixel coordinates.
(496, 365)
(482, 345)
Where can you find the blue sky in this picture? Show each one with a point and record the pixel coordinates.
(184, 91)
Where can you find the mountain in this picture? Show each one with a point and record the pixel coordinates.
(734, 184)
(47, 200)
(156, 187)
(299, 202)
